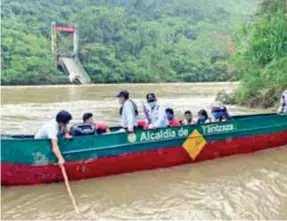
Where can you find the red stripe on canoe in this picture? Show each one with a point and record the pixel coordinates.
(12, 174)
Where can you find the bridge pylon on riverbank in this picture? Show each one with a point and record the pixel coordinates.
(66, 60)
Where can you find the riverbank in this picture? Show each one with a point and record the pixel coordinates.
(261, 58)
(266, 98)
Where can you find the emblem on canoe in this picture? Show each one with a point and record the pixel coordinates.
(132, 137)
(194, 144)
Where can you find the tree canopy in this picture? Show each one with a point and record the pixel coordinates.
(128, 40)
(261, 58)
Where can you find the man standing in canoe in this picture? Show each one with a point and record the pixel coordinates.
(52, 129)
(128, 112)
(283, 103)
(156, 114)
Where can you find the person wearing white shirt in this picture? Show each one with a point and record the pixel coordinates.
(188, 118)
(52, 129)
(156, 115)
(128, 112)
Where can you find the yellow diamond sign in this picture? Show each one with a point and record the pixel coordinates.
(194, 144)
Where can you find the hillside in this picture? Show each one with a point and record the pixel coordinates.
(124, 40)
(261, 57)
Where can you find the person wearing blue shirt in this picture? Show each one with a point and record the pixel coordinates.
(219, 112)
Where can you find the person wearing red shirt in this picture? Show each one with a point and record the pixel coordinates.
(173, 122)
(142, 124)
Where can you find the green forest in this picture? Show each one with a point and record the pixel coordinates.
(125, 40)
(142, 41)
(261, 57)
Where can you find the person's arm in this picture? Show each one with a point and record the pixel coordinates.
(57, 152)
(67, 134)
(53, 136)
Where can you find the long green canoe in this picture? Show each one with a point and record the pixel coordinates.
(28, 161)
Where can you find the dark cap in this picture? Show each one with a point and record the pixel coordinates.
(150, 97)
(124, 93)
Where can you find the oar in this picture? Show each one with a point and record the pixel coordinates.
(68, 188)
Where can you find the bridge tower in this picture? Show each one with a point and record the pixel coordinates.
(68, 61)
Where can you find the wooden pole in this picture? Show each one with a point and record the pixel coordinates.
(68, 188)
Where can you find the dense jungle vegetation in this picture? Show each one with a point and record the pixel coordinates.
(130, 40)
(261, 58)
(153, 41)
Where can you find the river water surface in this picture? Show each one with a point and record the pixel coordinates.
(250, 186)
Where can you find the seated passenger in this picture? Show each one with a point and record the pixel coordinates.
(155, 114)
(219, 112)
(100, 127)
(283, 103)
(202, 117)
(83, 129)
(187, 118)
(52, 129)
(172, 121)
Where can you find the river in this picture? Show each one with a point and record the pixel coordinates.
(250, 186)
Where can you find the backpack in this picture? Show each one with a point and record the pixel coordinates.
(135, 108)
(83, 130)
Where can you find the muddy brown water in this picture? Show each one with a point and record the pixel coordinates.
(250, 186)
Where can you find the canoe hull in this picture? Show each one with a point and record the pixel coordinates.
(25, 174)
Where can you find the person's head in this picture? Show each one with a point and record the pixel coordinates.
(123, 96)
(151, 100)
(202, 116)
(88, 118)
(188, 116)
(63, 118)
(169, 113)
(219, 111)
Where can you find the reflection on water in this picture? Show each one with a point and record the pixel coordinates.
(250, 186)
